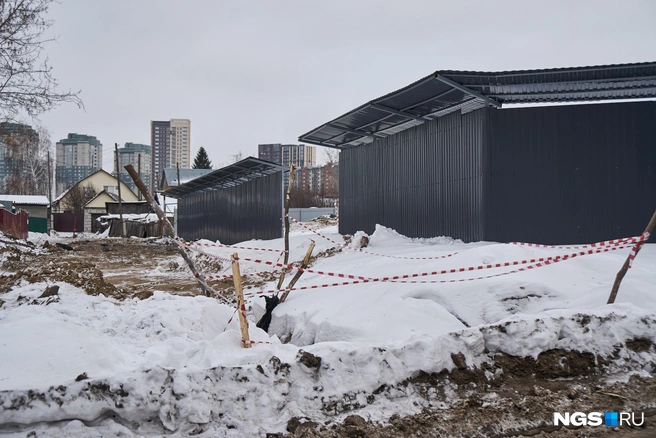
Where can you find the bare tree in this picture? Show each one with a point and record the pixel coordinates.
(26, 81)
(77, 197)
(331, 155)
(330, 186)
(303, 197)
(237, 157)
(24, 151)
(36, 163)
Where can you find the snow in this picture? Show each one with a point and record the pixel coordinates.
(178, 360)
(25, 199)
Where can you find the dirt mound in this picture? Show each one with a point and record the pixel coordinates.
(509, 396)
(328, 220)
(118, 268)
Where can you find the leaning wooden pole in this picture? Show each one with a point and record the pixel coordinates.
(629, 259)
(118, 185)
(241, 306)
(298, 274)
(168, 228)
(289, 189)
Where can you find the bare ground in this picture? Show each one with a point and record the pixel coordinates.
(117, 268)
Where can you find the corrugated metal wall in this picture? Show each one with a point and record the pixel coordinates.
(570, 174)
(423, 182)
(251, 210)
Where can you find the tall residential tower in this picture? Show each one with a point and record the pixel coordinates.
(139, 156)
(77, 156)
(171, 146)
(299, 155)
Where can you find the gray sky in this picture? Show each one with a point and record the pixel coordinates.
(250, 72)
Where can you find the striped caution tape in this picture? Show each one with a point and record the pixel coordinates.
(552, 260)
(593, 245)
(192, 244)
(223, 276)
(256, 342)
(425, 274)
(536, 261)
(636, 248)
(342, 245)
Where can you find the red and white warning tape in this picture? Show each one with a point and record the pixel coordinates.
(342, 245)
(441, 272)
(256, 342)
(546, 262)
(191, 244)
(636, 248)
(222, 276)
(532, 263)
(593, 245)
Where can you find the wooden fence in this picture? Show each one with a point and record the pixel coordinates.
(14, 224)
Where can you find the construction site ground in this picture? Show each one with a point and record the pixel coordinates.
(527, 389)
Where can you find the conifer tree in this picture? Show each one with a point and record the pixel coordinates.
(202, 161)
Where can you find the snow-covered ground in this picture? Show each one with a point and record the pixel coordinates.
(169, 363)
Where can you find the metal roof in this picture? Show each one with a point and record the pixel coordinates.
(448, 90)
(170, 176)
(25, 199)
(232, 175)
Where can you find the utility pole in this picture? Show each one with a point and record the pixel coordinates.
(52, 223)
(139, 167)
(118, 182)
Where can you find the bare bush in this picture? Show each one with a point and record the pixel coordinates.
(78, 196)
(26, 81)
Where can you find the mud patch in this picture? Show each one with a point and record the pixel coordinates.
(324, 254)
(639, 345)
(508, 396)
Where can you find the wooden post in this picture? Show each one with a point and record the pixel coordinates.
(241, 307)
(52, 222)
(627, 262)
(168, 228)
(139, 171)
(289, 189)
(118, 183)
(304, 265)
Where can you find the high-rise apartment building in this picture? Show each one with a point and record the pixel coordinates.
(171, 146)
(286, 154)
(299, 155)
(77, 156)
(139, 156)
(23, 169)
(323, 180)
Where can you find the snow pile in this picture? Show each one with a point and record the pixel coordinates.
(172, 363)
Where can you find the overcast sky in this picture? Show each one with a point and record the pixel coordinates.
(250, 72)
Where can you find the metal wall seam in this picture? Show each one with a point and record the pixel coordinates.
(251, 210)
(570, 174)
(422, 182)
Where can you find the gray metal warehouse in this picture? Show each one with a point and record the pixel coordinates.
(447, 156)
(238, 202)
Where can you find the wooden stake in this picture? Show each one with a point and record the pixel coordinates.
(289, 189)
(52, 222)
(241, 307)
(304, 265)
(118, 183)
(625, 267)
(168, 228)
